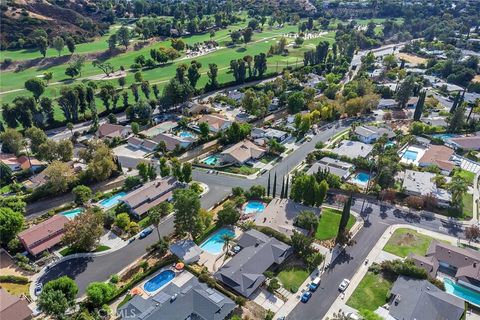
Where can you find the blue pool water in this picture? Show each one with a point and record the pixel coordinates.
(70, 214)
(214, 243)
(362, 178)
(389, 144)
(254, 207)
(113, 200)
(159, 281)
(461, 292)
(410, 155)
(444, 136)
(211, 160)
(185, 134)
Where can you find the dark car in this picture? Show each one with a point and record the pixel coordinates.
(306, 296)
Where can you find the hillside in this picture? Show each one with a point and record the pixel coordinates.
(80, 19)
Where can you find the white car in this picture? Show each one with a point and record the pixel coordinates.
(344, 285)
(352, 316)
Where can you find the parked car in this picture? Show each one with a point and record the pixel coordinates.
(352, 316)
(314, 285)
(344, 285)
(145, 232)
(306, 296)
(38, 289)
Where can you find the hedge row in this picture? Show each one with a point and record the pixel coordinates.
(14, 279)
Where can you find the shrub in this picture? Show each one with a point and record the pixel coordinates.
(13, 279)
(273, 285)
(274, 233)
(114, 278)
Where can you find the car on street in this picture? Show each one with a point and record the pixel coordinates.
(38, 289)
(343, 285)
(314, 284)
(145, 232)
(306, 296)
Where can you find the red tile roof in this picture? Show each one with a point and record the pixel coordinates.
(44, 235)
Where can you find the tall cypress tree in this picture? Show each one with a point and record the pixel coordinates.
(282, 192)
(274, 192)
(419, 107)
(345, 216)
(455, 103)
(268, 185)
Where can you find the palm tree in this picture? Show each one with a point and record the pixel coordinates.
(457, 187)
(227, 239)
(154, 217)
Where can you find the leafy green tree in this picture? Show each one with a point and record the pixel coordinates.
(228, 215)
(36, 86)
(58, 296)
(106, 67)
(99, 293)
(5, 174)
(259, 65)
(42, 45)
(84, 231)
(70, 42)
(112, 42)
(164, 168)
(82, 194)
(247, 35)
(11, 141)
(345, 217)
(11, 222)
(405, 91)
(187, 172)
(307, 220)
(458, 186)
(123, 36)
(58, 44)
(193, 73)
(295, 102)
(457, 120)
(187, 208)
(122, 220)
(212, 75)
(37, 137)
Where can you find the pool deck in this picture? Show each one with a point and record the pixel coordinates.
(146, 294)
(420, 152)
(213, 261)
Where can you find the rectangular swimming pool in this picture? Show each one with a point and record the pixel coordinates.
(466, 294)
(113, 200)
(410, 155)
(70, 214)
(211, 160)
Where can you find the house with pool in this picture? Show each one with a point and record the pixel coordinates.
(370, 134)
(241, 153)
(151, 194)
(216, 122)
(439, 156)
(183, 297)
(173, 142)
(244, 273)
(353, 149)
(336, 167)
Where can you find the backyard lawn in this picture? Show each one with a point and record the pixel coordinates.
(245, 170)
(370, 293)
(328, 225)
(16, 289)
(292, 278)
(405, 241)
(467, 206)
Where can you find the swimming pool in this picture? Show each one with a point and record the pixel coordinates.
(253, 207)
(389, 144)
(410, 155)
(185, 134)
(444, 136)
(461, 292)
(113, 200)
(70, 214)
(211, 160)
(159, 281)
(362, 178)
(214, 243)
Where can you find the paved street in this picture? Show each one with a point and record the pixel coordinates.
(377, 218)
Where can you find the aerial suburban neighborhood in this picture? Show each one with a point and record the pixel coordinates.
(240, 160)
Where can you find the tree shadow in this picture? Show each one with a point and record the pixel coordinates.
(71, 268)
(241, 49)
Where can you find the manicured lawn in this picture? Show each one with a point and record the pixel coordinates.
(370, 293)
(16, 289)
(328, 225)
(268, 158)
(6, 189)
(245, 170)
(405, 241)
(68, 251)
(292, 278)
(467, 206)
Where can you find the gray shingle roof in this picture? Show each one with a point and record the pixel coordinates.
(193, 299)
(244, 272)
(419, 299)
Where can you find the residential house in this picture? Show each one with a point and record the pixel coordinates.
(144, 144)
(280, 215)
(44, 235)
(241, 153)
(244, 272)
(370, 134)
(440, 156)
(235, 95)
(11, 161)
(336, 167)
(387, 104)
(216, 122)
(412, 102)
(419, 299)
(110, 131)
(163, 127)
(191, 300)
(465, 143)
(150, 195)
(193, 108)
(186, 250)
(21, 163)
(417, 183)
(270, 133)
(353, 149)
(13, 308)
(171, 141)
